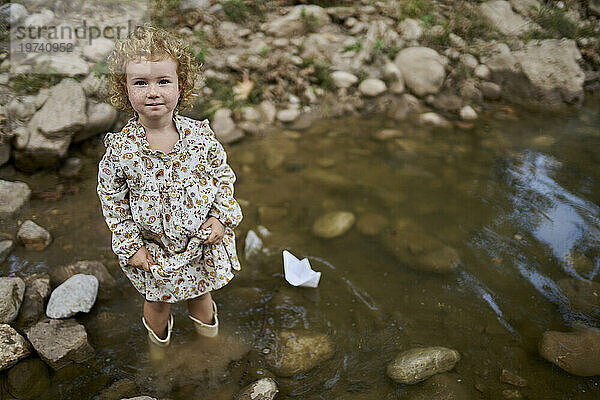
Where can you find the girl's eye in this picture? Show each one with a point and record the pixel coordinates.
(164, 81)
(139, 83)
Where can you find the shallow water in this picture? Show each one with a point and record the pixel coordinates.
(517, 196)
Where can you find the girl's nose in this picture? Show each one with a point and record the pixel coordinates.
(152, 90)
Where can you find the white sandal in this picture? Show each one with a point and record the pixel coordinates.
(207, 330)
(154, 339)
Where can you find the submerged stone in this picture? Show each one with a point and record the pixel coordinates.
(29, 379)
(299, 352)
(577, 352)
(333, 224)
(416, 365)
(262, 389)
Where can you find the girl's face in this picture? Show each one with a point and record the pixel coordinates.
(153, 88)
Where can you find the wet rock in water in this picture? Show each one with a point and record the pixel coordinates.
(119, 389)
(433, 119)
(6, 247)
(583, 296)
(512, 379)
(386, 134)
(13, 196)
(106, 282)
(372, 87)
(420, 251)
(343, 79)
(371, 224)
(76, 294)
(288, 115)
(60, 342)
(253, 245)
(468, 114)
(33, 236)
(140, 398)
(37, 290)
(447, 386)
(511, 394)
(577, 352)
(12, 290)
(298, 352)
(262, 389)
(416, 365)
(289, 312)
(422, 69)
(13, 347)
(29, 379)
(333, 224)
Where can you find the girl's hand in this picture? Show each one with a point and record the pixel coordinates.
(142, 259)
(217, 228)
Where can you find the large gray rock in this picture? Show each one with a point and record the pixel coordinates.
(262, 389)
(297, 21)
(501, 16)
(60, 342)
(299, 352)
(12, 290)
(63, 113)
(100, 117)
(13, 196)
(421, 251)
(577, 352)
(13, 347)
(416, 365)
(33, 150)
(33, 236)
(95, 85)
(422, 69)
(76, 294)
(37, 290)
(29, 379)
(333, 224)
(106, 281)
(411, 29)
(544, 73)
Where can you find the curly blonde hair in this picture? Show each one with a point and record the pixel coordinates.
(153, 44)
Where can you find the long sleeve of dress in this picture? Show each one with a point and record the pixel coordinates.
(114, 199)
(225, 208)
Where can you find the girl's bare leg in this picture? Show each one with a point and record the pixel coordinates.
(201, 308)
(156, 314)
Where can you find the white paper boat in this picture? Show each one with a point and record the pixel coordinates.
(298, 272)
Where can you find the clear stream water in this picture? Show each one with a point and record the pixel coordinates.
(517, 195)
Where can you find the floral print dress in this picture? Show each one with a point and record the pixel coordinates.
(160, 200)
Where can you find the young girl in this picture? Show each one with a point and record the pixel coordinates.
(165, 187)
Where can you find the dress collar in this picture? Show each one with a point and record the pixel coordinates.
(138, 129)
